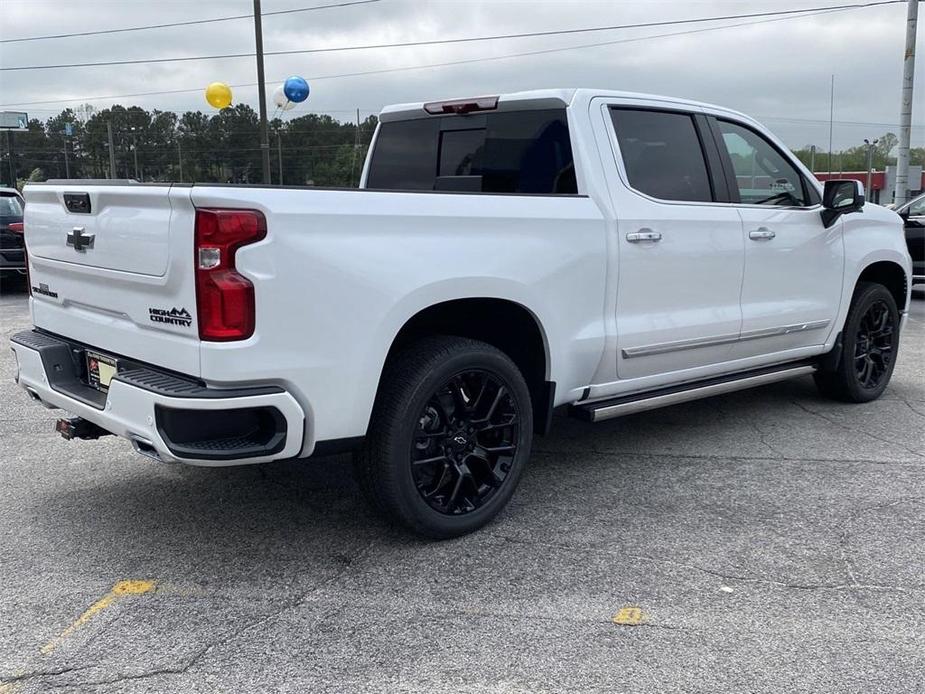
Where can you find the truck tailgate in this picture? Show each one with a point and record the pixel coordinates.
(119, 275)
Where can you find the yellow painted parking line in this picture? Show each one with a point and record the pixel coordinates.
(118, 591)
(9, 687)
(628, 616)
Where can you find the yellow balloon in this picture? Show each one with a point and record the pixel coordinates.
(218, 94)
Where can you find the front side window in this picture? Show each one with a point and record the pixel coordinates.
(508, 152)
(763, 175)
(662, 154)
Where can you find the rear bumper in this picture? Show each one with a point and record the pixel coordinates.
(165, 416)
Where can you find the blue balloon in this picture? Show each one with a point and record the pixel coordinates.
(296, 89)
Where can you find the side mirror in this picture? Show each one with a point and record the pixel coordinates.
(841, 197)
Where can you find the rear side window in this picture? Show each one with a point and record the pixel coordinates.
(510, 152)
(662, 154)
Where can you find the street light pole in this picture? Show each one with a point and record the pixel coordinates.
(262, 93)
(180, 159)
(901, 194)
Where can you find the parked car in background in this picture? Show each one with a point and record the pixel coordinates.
(913, 214)
(607, 251)
(12, 247)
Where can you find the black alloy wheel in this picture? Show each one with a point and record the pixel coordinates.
(465, 442)
(873, 351)
(450, 434)
(867, 354)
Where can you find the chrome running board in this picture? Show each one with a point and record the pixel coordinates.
(600, 410)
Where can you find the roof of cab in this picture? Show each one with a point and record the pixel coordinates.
(547, 98)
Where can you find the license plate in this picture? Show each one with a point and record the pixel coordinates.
(100, 370)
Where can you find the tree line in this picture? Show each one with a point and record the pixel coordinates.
(224, 147)
(193, 146)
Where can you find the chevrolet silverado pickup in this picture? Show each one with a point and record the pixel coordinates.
(606, 252)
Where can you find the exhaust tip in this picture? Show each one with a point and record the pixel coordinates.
(144, 447)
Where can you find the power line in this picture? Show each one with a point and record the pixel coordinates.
(432, 42)
(451, 63)
(184, 24)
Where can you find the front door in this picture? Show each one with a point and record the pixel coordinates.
(680, 249)
(793, 264)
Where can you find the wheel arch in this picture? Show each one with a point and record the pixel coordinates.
(501, 322)
(891, 275)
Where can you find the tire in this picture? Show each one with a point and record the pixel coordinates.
(870, 341)
(451, 431)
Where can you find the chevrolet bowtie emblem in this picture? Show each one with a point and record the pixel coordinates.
(79, 240)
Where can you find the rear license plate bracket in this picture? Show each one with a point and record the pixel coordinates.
(100, 370)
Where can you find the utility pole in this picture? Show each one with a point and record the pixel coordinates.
(135, 152)
(180, 159)
(812, 159)
(901, 194)
(831, 122)
(262, 92)
(67, 165)
(870, 164)
(12, 156)
(112, 151)
(356, 146)
(279, 154)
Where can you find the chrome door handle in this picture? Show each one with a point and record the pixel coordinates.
(761, 233)
(644, 235)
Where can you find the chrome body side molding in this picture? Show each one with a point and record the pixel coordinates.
(665, 347)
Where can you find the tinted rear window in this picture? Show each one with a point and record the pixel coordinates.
(10, 206)
(510, 152)
(662, 154)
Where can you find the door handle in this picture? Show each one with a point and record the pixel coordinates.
(644, 235)
(761, 233)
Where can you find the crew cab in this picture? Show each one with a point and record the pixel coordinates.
(605, 252)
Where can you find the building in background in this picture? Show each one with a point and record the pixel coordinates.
(882, 183)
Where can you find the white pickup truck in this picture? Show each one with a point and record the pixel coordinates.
(607, 251)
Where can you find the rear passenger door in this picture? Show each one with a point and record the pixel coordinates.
(679, 244)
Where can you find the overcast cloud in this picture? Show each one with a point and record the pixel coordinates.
(777, 71)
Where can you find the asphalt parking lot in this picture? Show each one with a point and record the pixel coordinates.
(766, 541)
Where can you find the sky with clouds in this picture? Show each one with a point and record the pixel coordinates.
(778, 71)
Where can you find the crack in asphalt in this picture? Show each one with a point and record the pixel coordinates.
(204, 651)
(208, 648)
(845, 535)
(38, 674)
(691, 456)
(754, 578)
(857, 429)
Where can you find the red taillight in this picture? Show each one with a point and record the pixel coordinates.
(224, 297)
(16, 227)
(484, 103)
